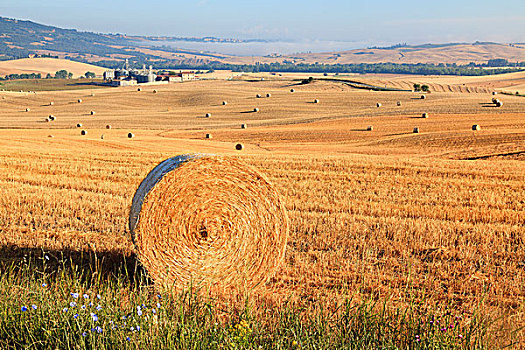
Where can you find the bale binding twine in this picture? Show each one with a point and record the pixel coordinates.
(205, 220)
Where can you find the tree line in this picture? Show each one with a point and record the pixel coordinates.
(61, 74)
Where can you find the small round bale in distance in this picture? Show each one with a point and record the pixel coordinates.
(476, 127)
(203, 220)
(399, 103)
(423, 97)
(102, 137)
(50, 136)
(244, 126)
(499, 103)
(416, 131)
(268, 95)
(258, 96)
(369, 128)
(256, 109)
(79, 125)
(378, 105)
(209, 136)
(108, 126)
(139, 89)
(316, 101)
(494, 92)
(28, 109)
(239, 147)
(79, 100)
(424, 115)
(292, 90)
(131, 135)
(51, 103)
(224, 103)
(154, 91)
(208, 115)
(51, 117)
(83, 132)
(92, 112)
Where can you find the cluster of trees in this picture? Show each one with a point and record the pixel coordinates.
(419, 87)
(23, 76)
(61, 74)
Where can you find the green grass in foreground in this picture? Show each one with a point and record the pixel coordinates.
(50, 84)
(64, 303)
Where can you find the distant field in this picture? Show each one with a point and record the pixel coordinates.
(380, 214)
(47, 65)
(50, 84)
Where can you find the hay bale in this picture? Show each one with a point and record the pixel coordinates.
(208, 115)
(79, 100)
(154, 91)
(292, 90)
(316, 101)
(423, 97)
(50, 136)
(108, 126)
(378, 105)
(83, 132)
(424, 115)
(79, 125)
(102, 137)
(204, 220)
(139, 89)
(416, 131)
(494, 93)
(244, 126)
(209, 136)
(47, 120)
(51, 117)
(131, 135)
(258, 96)
(51, 103)
(256, 109)
(268, 95)
(494, 100)
(369, 128)
(28, 109)
(476, 127)
(499, 103)
(399, 103)
(92, 94)
(239, 147)
(224, 103)
(92, 112)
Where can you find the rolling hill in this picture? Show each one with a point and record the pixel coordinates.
(47, 65)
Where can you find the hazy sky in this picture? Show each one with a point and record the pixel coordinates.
(364, 22)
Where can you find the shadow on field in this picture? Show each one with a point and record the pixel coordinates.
(86, 265)
(488, 105)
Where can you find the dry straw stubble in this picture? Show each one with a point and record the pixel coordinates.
(208, 221)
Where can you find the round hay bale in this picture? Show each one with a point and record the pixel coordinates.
(154, 91)
(51, 117)
(199, 220)
(28, 109)
(416, 131)
(316, 101)
(476, 127)
(239, 147)
(494, 100)
(92, 94)
(399, 103)
(51, 103)
(423, 97)
(499, 103)
(494, 92)
(108, 126)
(47, 120)
(224, 103)
(50, 136)
(102, 137)
(268, 95)
(424, 115)
(378, 105)
(256, 109)
(244, 126)
(369, 128)
(79, 100)
(3, 97)
(131, 135)
(292, 90)
(92, 112)
(139, 89)
(79, 125)
(209, 136)
(258, 96)
(83, 132)
(208, 115)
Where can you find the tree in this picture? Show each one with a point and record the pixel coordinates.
(69, 75)
(90, 75)
(424, 88)
(417, 87)
(61, 74)
(48, 76)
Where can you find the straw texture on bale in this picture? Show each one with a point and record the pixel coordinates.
(200, 220)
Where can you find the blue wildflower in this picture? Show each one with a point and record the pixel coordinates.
(74, 295)
(90, 303)
(94, 317)
(72, 304)
(34, 307)
(75, 316)
(158, 305)
(132, 329)
(128, 339)
(138, 328)
(44, 284)
(64, 309)
(154, 311)
(98, 307)
(99, 297)
(83, 307)
(84, 334)
(159, 296)
(86, 296)
(24, 309)
(98, 329)
(46, 257)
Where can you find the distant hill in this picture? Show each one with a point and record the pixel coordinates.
(45, 66)
(21, 38)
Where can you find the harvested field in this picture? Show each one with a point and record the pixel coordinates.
(382, 214)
